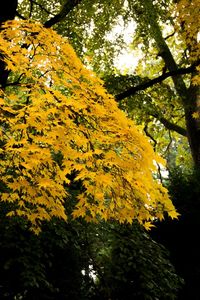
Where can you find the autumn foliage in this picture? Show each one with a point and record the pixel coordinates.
(52, 104)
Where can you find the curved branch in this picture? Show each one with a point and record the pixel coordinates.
(65, 10)
(132, 90)
(150, 136)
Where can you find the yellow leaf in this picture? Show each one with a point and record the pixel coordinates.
(45, 182)
(173, 214)
(148, 225)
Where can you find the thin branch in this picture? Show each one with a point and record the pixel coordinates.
(20, 16)
(41, 6)
(132, 90)
(159, 173)
(31, 9)
(169, 144)
(17, 82)
(65, 10)
(150, 136)
(170, 35)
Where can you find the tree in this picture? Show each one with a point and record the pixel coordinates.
(52, 104)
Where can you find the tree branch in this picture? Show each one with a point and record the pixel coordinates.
(20, 16)
(150, 136)
(169, 125)
(132, 90)
(65, 10)
(41, 6)
(170, 35)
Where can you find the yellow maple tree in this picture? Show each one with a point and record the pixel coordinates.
(53, 104)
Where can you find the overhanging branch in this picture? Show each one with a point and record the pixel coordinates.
(132, 90)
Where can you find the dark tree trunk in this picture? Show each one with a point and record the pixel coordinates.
(8, 10)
